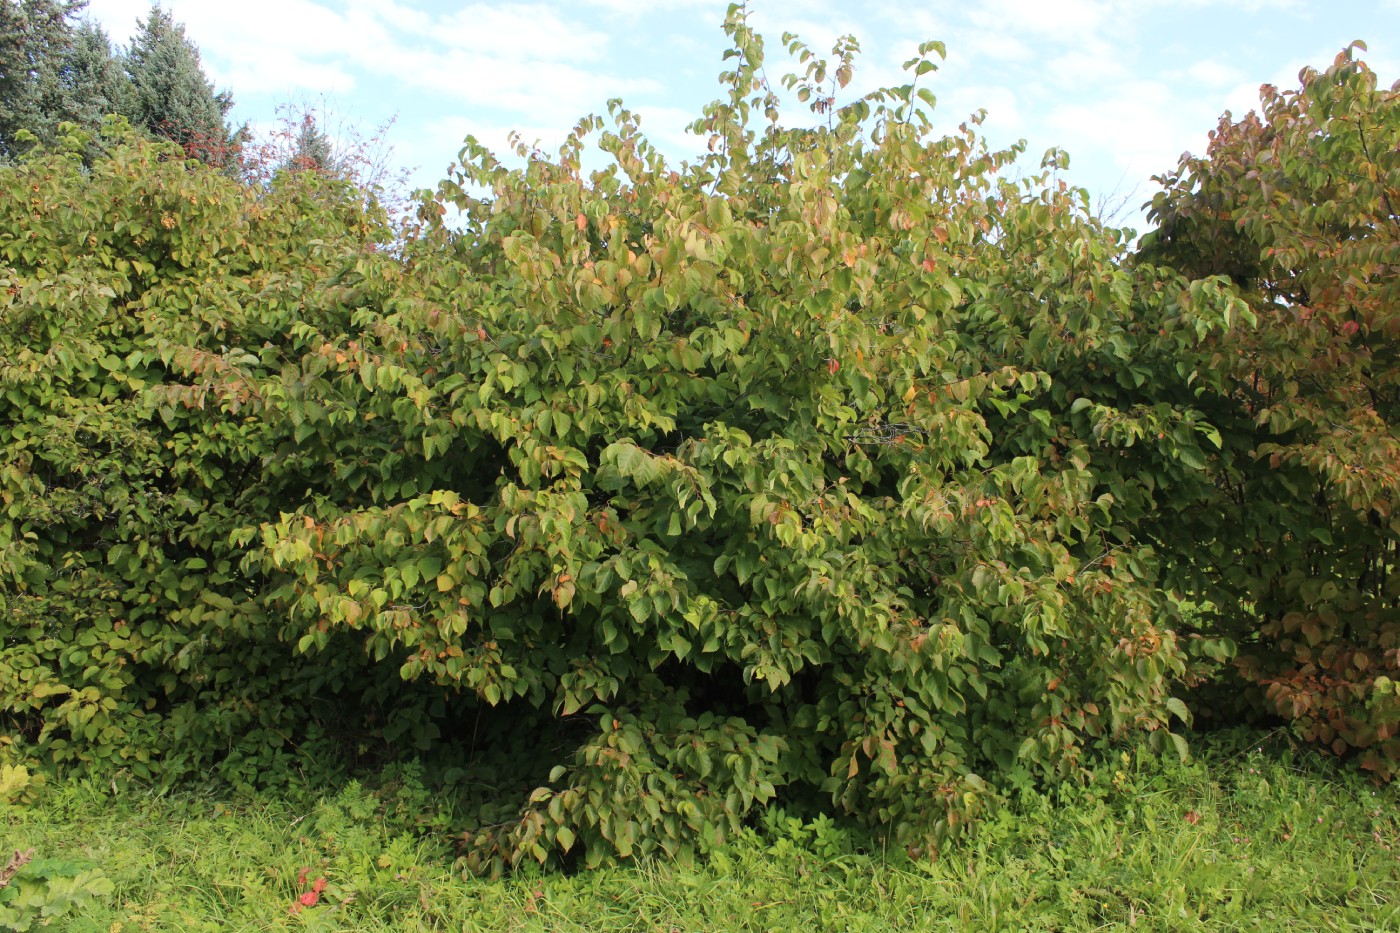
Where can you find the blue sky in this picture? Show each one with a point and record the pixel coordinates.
(1125, 86)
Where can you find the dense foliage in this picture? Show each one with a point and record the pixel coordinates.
(131, 635)
(1295, 546)
(835, 466)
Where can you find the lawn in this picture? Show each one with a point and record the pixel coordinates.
(1250, 835)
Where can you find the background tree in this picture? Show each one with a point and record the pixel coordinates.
(173, 98)
(314, 151)
(93, 81)
(313, 135)
(35, 40)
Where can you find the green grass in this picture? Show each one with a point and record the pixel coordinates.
(1250, 837)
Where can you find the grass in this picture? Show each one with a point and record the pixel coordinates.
(1246, 837)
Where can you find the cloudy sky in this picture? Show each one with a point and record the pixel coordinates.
(1125, 86)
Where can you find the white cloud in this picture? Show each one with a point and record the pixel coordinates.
(523, 58)
(1245, 6)
(1213, 73)
(553, 91)
(522, 31)
(269, 46)
(1072, 22)
(1084, 72)
(637, 8)
(303, 29)
(1244, 96)
(1138, 122)
(818, 25)
(1241, 99)
(1002, 104)
(278, 72)
(118, 17)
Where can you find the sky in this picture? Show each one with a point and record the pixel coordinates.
(1124, 86)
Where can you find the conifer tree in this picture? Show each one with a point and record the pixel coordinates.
(313, 149)
(35, 36)
(173, 98)
(92, 81)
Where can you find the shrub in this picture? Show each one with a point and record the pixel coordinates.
(759, 473)
(1294, 545)
(35, 891)
(136, 298)
(835, 465)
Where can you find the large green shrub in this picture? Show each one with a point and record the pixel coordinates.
(758, 473)
(1294, 545)
(137, 300)
(828, 466)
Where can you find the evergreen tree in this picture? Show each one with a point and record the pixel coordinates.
(313, 150)
(35, 38)
(172, 97)
(92, 81)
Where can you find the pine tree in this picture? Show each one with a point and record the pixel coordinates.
(35, 38)
(313, 150)
(172, 97)
(91, 80)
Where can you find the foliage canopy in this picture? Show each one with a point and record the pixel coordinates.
(833, 466)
